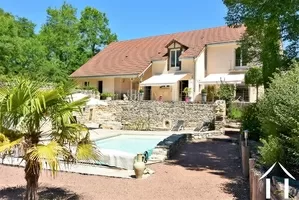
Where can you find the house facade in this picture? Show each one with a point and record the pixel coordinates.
(163, 66)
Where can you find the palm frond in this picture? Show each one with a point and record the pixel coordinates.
(6, 144)
(49, 153)
(87, 152)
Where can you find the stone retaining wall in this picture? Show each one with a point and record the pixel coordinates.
(167, 148)
(147, 115)
(204, 135)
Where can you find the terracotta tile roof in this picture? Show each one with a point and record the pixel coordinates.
(134, 56)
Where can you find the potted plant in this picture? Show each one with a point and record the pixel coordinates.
(204, 95)
(187, 92)
(141, 94)
(108, 96)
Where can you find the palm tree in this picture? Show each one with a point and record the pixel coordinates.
(29, 114)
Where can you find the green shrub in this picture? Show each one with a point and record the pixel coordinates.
(212, 92)
(271, 151)
(89, 88)
(107, 94)
(235, 112)
(279, 114)
(280, 105)
(251, 122)
(226, 92)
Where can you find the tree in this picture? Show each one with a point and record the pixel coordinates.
(20, 50)
(60, 35)
(29, 112)
(70, 42)
(63, 45)
(226, 92)
(254, 77)
(268, 24)
(94, 30)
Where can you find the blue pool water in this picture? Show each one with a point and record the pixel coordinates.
(130, 143)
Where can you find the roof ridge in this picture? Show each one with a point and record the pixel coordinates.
(167, 34)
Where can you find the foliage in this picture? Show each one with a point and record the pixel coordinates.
(94, 31)
(63, 44)
(278, 113)
(226, 92)
(204, 90)
(60, 35)
(212, 92)
(141, 91)
(268, 24)
(251, 122)
(235, 112)
(187, 91)
(30, 113)
(271, 151)
(20, 51)
(107, 94)
(254, 77)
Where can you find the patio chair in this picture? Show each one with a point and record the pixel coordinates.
(180, 125)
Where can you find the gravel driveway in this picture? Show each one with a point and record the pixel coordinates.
(202, 171)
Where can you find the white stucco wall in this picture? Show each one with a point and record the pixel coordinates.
(199, 74)
(159, 67)
(220, 58)
(252, 93)
(108, 83)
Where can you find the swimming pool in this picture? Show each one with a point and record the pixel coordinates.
(130, 143)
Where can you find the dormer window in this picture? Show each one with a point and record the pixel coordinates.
(174, 57)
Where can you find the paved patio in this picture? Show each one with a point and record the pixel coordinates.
(203, 170)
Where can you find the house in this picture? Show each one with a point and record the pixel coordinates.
(164, 65)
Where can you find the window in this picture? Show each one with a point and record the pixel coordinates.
(242, 93)
(86, 84)
(241, 57)
(174, 57)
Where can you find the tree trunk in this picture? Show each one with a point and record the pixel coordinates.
(32, 172)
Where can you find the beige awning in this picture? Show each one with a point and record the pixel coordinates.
(163, 79)
(214, 79)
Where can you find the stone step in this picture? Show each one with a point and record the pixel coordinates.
(157, 158)
(160, 151)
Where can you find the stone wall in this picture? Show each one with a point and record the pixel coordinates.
(147, 115)
(167, 148)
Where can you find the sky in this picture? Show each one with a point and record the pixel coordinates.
(133, 18)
